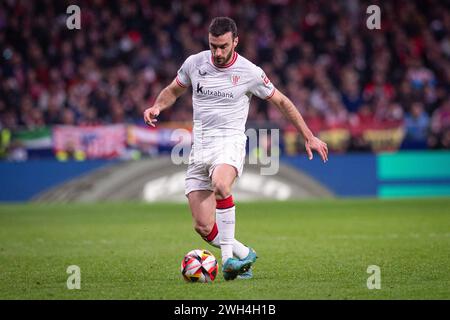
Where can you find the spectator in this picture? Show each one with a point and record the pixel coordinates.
(336, 71)
(440, 126)
(417, 123)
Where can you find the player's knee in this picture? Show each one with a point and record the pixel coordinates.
(202, 229)
(221, 189)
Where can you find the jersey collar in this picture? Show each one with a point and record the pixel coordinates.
(229, 64)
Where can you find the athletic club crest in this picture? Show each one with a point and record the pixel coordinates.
(265, 79)
(235, 79)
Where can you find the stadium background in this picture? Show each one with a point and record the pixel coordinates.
(71, 104)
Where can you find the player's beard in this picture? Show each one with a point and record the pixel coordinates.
(224, 61)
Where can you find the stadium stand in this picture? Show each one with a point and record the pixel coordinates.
(359, 89)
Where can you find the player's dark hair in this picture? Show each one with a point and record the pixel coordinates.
(221, 25)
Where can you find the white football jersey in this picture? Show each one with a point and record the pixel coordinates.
(221, 95)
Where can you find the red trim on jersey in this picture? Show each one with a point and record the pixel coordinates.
(225, 203)
(213, 234)
(180, 83)
(271, 95)
(229, 64)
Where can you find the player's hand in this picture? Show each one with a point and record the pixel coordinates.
(316, 144)
(150, 115)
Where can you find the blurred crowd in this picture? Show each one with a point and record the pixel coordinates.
(320, 53)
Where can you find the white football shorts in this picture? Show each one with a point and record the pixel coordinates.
(203, 160)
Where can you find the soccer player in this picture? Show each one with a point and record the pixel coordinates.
(223, 83)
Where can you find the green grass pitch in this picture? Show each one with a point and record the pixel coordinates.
(307, 250)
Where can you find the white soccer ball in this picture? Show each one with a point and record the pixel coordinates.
(199, 265)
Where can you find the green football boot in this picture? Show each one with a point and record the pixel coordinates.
(250, 257)
(246, 275)
(234, 267)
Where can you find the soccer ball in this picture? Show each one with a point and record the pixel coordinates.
(199, 266)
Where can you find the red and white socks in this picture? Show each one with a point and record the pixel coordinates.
(222, 234)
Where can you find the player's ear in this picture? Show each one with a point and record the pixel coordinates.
(235, 42)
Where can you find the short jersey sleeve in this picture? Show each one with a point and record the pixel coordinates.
(183, 75)
(261, 87)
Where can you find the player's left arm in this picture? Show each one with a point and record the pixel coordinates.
(287, 108)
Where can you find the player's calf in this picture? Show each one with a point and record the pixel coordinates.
(204, 230)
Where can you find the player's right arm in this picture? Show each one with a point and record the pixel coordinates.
(170, 94)
(165, 99)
